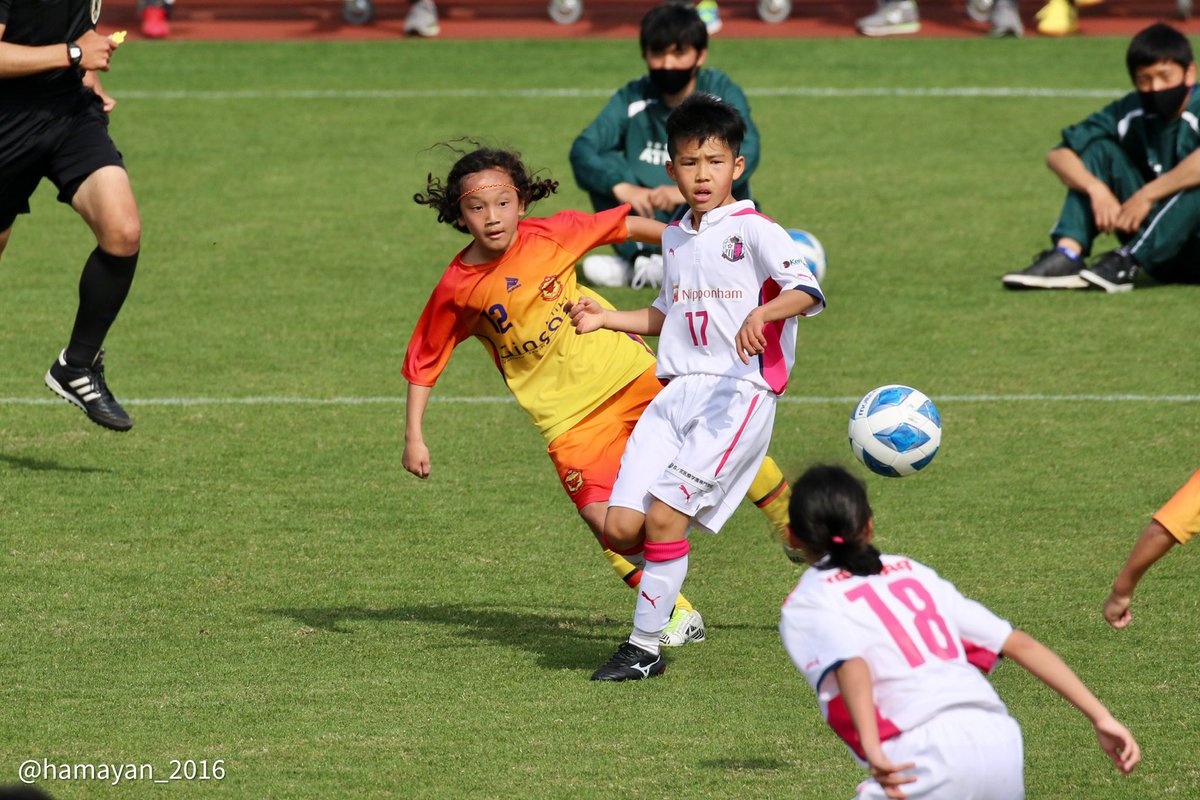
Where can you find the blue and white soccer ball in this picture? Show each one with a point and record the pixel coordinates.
(810, 247)
(895, 430)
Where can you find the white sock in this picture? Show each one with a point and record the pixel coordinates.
(661, 582)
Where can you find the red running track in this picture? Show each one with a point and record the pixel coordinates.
(493, 19)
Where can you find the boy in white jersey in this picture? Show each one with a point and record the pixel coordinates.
(732, 288)
(895, 655)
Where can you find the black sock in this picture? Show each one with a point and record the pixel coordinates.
(103, 287)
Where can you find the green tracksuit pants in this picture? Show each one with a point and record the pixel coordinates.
(1168, 243)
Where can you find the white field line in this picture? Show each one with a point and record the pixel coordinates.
(786, 399)
(449, 93)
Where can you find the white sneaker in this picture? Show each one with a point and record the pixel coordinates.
(892, 18)
(647, 271)
(422, 19)
(605, 270)
(684, 627)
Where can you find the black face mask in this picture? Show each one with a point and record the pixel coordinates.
(672, 81)
(1164, 103)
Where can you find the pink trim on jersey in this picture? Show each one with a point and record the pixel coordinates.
(771, 363)
(838, 717)
(753, 211)
(667, 551)
(980, 657)
(738, 435)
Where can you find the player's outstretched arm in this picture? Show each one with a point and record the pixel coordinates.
(854, 680)
(645, 230)
(416, 454)
(587, 315)
(1044, 664)
(1154, 543)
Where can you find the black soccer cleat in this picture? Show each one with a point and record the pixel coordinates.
(85, 387)
(630, 663)
(1051, 269)
(1113, 272)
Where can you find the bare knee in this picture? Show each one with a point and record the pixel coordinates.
(624, 529)
(4, 240)
(665, 523)
(122, 238)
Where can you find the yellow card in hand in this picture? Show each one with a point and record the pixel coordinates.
(118, 37)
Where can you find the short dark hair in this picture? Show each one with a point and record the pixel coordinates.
(1159, 42)
(672, 24)
(702, 116)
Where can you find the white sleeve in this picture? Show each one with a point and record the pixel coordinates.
(817, 640)
(983, 633)
(780, 260)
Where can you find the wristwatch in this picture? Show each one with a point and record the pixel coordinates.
(74, 53)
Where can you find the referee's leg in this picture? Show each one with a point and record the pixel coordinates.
(4, 234)
(105, 201)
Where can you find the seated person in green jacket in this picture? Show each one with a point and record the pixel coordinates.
(1132, 169)
(620, 156)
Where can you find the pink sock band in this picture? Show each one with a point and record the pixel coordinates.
(667, 551)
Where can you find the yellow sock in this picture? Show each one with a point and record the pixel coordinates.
(632, 575)
(771, 493)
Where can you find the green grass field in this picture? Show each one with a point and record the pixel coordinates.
(249, 576)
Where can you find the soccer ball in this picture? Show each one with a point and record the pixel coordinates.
(812, 251)
(895, 430)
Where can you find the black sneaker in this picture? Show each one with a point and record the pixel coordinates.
(86, 388)
(1051, 269)
(630, 663)
(1113, 272)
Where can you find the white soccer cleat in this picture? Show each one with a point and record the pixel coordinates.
(685, 627)
(605, 270)
(647, 271)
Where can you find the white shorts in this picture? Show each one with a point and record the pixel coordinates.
(697, 447)
(963, 753)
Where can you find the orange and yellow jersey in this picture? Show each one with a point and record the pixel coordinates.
(514, 306)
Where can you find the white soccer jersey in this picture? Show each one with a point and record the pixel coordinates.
(712, 278)
(924, 643)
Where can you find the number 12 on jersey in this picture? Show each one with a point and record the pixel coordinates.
(928, 623)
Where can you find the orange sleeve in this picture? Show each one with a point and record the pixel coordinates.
(1181, 514)
(578, 232)
(441, 327)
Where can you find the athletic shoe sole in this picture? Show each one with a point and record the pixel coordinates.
(1021, 281)
(890, 30)
(1092, 280)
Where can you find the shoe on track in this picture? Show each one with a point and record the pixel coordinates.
(1006, 20)
(1058, 18)
(1051, 269)
(630, 663)
(85, 387)
(685, 627)
(1113, 272)
(422, 19)
(892, 18)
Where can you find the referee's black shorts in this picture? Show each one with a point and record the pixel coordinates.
(64, 139)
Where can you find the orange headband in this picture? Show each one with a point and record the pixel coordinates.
(488, 186)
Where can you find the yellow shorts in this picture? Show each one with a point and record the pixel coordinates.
(1181, 514)
(588, 456)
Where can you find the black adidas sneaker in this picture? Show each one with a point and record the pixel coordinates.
(85, 387)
